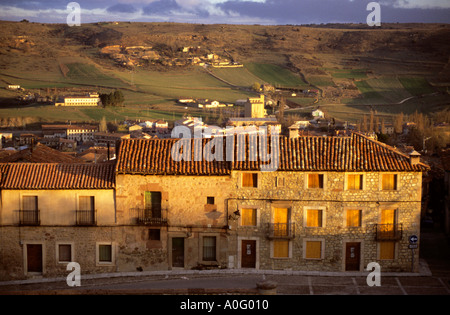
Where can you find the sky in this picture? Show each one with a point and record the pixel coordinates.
(265, 12)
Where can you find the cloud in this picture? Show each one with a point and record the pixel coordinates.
(161, 6)
(122, 8)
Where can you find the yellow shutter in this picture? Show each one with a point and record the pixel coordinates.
(280, 220)
(281, 249)
(248, 217)
(313, 181)
(387, 250)
(388, 216)
(354, 181)
(389, 182)
(249, 179)
(353, 218)
(314, 218)
(313, 249)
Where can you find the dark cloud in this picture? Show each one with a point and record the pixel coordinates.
(122, 8)
(161, 7)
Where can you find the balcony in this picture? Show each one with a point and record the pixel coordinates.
(29, 217)
(150, 216)
(86, 217)
(281, 230)
(388, 232)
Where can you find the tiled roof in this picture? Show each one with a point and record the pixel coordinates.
(39, 154)
(153, 156)
(305, 153)
(56, 176)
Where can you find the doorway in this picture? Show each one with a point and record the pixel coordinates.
(352, 256)
(178, 252)
(34, 258)
(248, 256)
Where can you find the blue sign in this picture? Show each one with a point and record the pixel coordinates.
(413, 239)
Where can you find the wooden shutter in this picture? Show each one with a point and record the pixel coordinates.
(281, 220)
(281, 248)
(389, 182)
(353, 218)
(314, 218)
(388, 216)
(387, 250)
(248, 217)
(250, 179)
(209, 248)
(86, 203)
(65, 252)
(30, 203)
(313, 249)
(354, 181)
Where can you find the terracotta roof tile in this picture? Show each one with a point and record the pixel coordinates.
(56, 176)
(305, 153)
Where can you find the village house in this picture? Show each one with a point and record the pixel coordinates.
(52, 214)
(332, 204)
(79, 133)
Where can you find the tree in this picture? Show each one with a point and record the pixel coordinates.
(398, 123)
(115, 98)
(256, 87)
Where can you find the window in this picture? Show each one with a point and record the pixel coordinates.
(387, 250)
(354, 181)
(154, 234)
(389, 182)
(210, 200)
(313, 249)
(152, 204)
(250, 180)
(86, 211)
(354, 218)
(105, 253)
(29, 215)
(209, 248)
(248, 217)
(281, 249)
(30, 203)
(314, 218)
(64, 253)
(315, 180)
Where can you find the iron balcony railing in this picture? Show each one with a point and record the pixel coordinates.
(150, 216)
(388, 232)
(29, 217)
(281, 230)
(86, 217)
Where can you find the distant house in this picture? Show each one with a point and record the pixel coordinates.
(105, 138)
(79, 133)
(318, 114)
(13, 87)
(91, 99)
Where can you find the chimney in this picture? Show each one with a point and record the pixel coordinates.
(414, 157)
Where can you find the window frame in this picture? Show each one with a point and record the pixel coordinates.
(72, 252)
(396, 182)
(253, 180)
(256, 215)
(97, 254)
(272, 249)
(322, 248)
(202, 248)
(362, 179)
(324, 181)
(361, 217)
(305, 216)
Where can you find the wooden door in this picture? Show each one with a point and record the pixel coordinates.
(34, 258)
(248, 257)
(178, 252)
(352, 256)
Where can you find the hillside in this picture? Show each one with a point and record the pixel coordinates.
(398, 67)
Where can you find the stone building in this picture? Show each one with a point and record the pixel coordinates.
(331, 204)
(52, 214)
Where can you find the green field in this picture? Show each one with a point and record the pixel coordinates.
(348, 73)
(416, 85)
(237, 76)
(276, 75)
